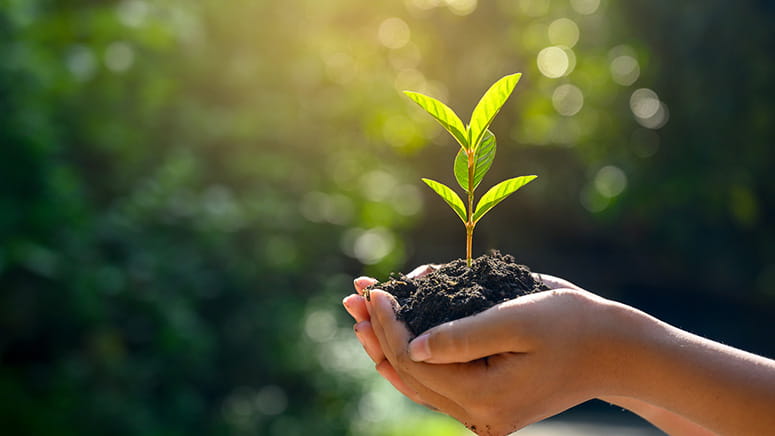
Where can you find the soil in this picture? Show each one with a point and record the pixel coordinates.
(455, 291)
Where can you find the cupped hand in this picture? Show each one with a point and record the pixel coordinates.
(523, 360)
(355, 305)
(515, 364)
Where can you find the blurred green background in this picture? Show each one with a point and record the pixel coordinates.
(188, 187)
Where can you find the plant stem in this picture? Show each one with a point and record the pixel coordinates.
(469, 243)
(470, 224)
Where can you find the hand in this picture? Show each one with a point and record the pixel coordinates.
(670, 377)
(492, 369)
(531, 359)
(355, 305)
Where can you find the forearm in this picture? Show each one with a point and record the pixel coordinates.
(667, 421)
(723, 389)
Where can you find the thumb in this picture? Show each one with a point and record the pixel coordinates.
(493, 331)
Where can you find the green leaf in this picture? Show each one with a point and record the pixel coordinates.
(483, 158)
(497, 193)
(489, 106)
(443, 114)
(452, 199)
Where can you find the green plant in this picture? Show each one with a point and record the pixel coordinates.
(477, 151)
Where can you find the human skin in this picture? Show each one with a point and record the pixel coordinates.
(549, 351)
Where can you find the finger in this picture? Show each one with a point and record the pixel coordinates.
(386, 370)
(431, 397)
(556, 282)
(369, 341)
(494, 331)
(448, 381)
(362, 283)
(422, 270)
(356, 307)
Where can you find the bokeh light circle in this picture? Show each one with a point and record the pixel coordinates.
(644, 103)
(567, 100)
(119, 56)
(625, 70)
(394, 33)
(610, 181)
(585, 7)
(564, 31)
(553, 62)
(462, 7)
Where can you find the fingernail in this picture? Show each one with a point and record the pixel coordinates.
(347, 303)
(363, 281)
(419, 350)
(419, 271)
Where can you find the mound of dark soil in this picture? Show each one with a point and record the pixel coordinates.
(455, 291)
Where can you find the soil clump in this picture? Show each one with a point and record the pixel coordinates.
(454, 291)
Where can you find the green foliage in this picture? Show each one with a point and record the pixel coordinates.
(483, 158)
(443, 114)
(488, 107)
(169, 235)
(449, 196)
(498, 193)
(475, 157)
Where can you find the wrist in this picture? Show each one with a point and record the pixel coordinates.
(619, 343)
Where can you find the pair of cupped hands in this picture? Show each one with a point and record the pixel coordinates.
(512, 365)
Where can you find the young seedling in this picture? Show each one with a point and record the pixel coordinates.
(477, 151)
